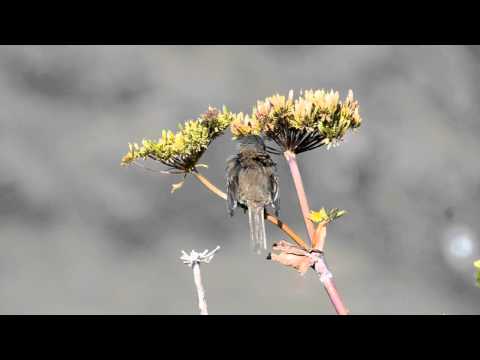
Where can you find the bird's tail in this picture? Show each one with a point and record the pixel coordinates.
(256, 219)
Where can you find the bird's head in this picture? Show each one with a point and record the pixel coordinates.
(251, 142)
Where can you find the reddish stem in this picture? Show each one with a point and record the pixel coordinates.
(326, 278)
(302, 197)
(320, 266)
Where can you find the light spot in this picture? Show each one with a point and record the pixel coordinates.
(460, 248)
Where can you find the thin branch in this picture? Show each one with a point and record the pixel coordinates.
(274, 220)
(209, 185)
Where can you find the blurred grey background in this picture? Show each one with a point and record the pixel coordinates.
(81, 235)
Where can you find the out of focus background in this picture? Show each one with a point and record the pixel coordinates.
(79, 234)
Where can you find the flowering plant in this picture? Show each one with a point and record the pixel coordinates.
(315, 119)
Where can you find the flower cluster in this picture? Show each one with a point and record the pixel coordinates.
(317, 118)
(243, 125)
(183, 149)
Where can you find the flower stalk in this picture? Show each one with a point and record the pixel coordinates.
(317, 241)
(202, 301)
(302, 196)
(326, 277)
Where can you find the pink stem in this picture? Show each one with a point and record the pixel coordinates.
(326, 278)
(320, 266)
(302, 197)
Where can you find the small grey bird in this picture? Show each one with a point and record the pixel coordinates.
(252, 182)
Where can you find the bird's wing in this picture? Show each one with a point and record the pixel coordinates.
(270, 168)
(231, 177)
(275, 193)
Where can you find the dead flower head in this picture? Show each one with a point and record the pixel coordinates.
(292, 256)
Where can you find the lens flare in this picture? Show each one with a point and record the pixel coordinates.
(460, 248)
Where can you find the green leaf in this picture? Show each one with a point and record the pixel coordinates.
(336, 213)
(177, 186)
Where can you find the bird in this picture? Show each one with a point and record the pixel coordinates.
(253, 184)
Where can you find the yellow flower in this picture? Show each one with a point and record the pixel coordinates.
(178, 143)
(127, 158)
(263, 109)
(290, 96)
(302, 113)
(357, 120)
(349, 98)
(245, 125)
(277, 101)
(331, 100)
(318, 216)
(322, 215)
(477, 264)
